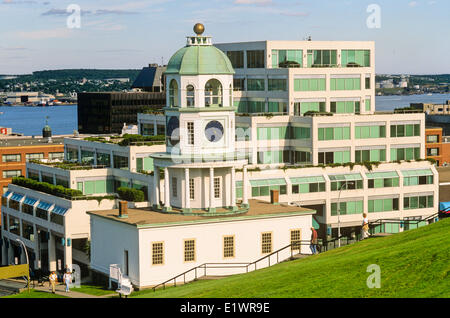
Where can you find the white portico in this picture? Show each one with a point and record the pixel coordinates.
(200, 162)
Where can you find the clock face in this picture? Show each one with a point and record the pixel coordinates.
(214, 131)
(173, 131)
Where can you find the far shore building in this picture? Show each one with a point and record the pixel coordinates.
(263, 140)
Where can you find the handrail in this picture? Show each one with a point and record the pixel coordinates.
(246, 265)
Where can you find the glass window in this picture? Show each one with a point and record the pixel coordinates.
(189, 250)
(266, 243)
(56, 156)
(254, 84)
(236, 58)
(228, 246)
(173, 93)
(277, 85)
(157, 253)
(213, 93)
(12, 158)
(239, 84)
(190, 96)
(255, 59)
(36, 156)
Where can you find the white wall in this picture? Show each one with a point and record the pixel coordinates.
(110, 238)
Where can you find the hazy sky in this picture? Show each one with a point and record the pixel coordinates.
(413, 37)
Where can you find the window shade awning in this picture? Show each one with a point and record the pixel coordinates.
(59, 210)
(30, 201)
(6, 193)
(44, 205)
(382, 175)
(417, 173)
(346, 177)
(268, 182)
(303, 180)
(17, 197)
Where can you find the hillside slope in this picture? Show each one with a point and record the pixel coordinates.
(414, 263)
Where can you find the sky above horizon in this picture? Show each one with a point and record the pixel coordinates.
(118, 34)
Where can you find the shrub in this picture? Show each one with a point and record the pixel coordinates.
(46, 187)
(132, 195)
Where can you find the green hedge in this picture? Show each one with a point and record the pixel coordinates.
(46, 187)
(128, 139)
(132, 195)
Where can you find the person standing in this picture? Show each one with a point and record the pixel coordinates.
(67, 279)
(313, 245)
(365, 227)
(53, 278)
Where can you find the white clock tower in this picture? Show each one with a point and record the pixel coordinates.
(200, 153)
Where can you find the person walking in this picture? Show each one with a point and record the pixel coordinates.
(53, 278)
(365, 227)
(67, 279)
(313, 245)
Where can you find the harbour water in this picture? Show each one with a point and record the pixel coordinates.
(63, 119)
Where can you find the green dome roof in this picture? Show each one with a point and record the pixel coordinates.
(197, 60)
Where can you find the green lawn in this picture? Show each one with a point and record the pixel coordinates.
(414, 263)
(94, 290)
(34, 294)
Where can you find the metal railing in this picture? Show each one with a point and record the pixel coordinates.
(206, 266)
(401, 223)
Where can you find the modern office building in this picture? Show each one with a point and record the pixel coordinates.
(437, 115)
(106, 113)
(150, 79)
(262, 141)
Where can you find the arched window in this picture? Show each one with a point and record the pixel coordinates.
(213, 93)
(173, 93)
(190, 96)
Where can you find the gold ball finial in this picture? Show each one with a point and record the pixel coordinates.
(199, 28)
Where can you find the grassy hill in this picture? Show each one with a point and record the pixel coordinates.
(414, 263)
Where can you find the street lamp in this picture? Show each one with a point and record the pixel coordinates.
(28, 263)
(344, 185)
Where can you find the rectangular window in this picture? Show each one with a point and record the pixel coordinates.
(296, 239)
(217, 187)
(303, 107)
(189, 250)
(12, 158)
(157, 253)
(418, 202)
(431, 139)
(174, 187)
(287, 58)
(56, 156)
(345, 84)
(277, 85)
(236, 58)
(14, 225)
(334, 133)
(228, 246)
(347, 107)
(11, 173)
(322, 58)
(355, 58)
(191, 189)
(309, 84)
(35, 156)
(408, 130)
(256, 84)
(266, 243)
(255, 59)
(239, 84)
(190, 130)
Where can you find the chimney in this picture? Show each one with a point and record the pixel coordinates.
(274, 196)
(123, 209)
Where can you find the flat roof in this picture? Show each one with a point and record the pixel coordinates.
(29, 141)
(147, 217)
